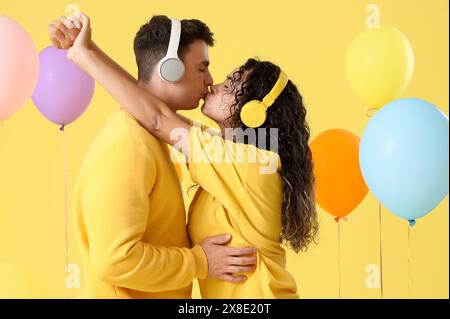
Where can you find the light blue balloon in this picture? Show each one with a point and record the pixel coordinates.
(404, 157)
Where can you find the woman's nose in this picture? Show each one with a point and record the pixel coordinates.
(213, 89)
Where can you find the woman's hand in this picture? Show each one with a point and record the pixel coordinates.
(83, 41)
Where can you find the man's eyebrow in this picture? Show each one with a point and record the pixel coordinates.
(205, 63)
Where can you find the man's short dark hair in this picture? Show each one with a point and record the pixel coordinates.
(152, 40)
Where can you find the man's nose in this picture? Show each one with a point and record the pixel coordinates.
(209, 79)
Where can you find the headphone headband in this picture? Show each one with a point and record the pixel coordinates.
(279, 86)
(254, 113)
(175, 34)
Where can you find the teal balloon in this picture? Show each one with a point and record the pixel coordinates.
(404, 157)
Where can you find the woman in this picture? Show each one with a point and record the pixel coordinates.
(260, 193)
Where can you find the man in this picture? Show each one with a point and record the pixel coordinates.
(130, 221)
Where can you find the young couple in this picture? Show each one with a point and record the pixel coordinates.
(130, 221)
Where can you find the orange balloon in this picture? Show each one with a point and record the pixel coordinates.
(340, 186)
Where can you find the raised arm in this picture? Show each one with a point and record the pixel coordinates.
(151, 112)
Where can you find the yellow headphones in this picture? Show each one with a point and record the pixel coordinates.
(254, 113)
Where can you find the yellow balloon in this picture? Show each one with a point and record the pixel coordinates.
(379, 65)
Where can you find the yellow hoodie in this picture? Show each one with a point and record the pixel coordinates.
(241, 194)
(129, 218)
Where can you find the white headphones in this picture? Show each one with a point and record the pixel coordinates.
(171, 68)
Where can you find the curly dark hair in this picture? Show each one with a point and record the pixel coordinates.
(252, 81)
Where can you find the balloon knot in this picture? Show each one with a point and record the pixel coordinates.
(412, 222)
(62, 128)
(337, 219)
(370, 112)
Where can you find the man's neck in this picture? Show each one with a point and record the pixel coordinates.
(159, 93)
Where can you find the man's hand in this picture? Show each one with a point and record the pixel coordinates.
(63, 33)
(73, 33)
(224, 262)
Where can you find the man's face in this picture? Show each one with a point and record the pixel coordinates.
(186, 94)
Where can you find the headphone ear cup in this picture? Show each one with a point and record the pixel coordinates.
(253, 114)
(171, 69)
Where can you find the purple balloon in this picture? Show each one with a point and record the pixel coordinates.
(63, 91)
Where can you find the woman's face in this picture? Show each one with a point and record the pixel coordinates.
(219, 100)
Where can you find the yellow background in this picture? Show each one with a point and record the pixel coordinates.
(309, 40)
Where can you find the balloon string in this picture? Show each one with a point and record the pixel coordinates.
(409, 261)
(339, 257)
(338, 219)
(381, 252)
(66, 232)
